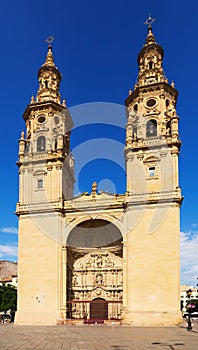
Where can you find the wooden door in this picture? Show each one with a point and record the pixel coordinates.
(99, 309)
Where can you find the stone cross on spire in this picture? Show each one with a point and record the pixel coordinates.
(49, 40)
(149, 21)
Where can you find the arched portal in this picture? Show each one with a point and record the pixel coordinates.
(94, 271)
(94, 233)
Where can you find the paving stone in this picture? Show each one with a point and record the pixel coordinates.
(98, 337)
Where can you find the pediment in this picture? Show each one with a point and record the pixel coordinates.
(85, 196)
(100, 293)
(152, 159)
(39, 173)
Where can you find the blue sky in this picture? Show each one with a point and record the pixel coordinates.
(96, 46)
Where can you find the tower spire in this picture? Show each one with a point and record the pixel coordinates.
(150, 59)
(150, 39)
(49, 78)
(49, 62)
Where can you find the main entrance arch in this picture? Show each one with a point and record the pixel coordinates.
(94, 233)
(94, 271)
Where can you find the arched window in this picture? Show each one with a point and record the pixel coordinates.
(168, 128)
(135, 107)
(151, 128)
(41, 144)
(150, 65)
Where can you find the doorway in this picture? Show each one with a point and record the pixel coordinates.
(99, 309)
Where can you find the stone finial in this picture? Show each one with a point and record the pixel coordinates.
(172, 84)
(22, 143)
(32, 99)
(22, 135)
(94, 189)
(130, 92)
(64, 103)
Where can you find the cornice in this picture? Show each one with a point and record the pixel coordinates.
(166, 197)
(43, 105)
(146, 88)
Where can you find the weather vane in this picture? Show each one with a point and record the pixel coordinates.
(49, 40)
(149, 21)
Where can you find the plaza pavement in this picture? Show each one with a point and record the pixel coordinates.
(97, 337)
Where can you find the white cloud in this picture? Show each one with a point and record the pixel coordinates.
(8, 251)
(9, 230)
(189, 257)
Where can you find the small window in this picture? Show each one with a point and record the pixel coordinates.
(41, 144)
(41, 119)
(135, 107)
(151, 128)
(152, 172)
(151, 102)
(150, 65)
(55, 143)
(40, 183)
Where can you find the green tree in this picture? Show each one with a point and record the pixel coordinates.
(8, 297)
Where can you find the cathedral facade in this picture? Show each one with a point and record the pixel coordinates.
(101, 257)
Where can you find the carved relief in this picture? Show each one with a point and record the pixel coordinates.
(96, 275)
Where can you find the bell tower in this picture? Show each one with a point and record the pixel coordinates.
(45, 163)
(46, 179)
(154, 196)
(152, 137)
